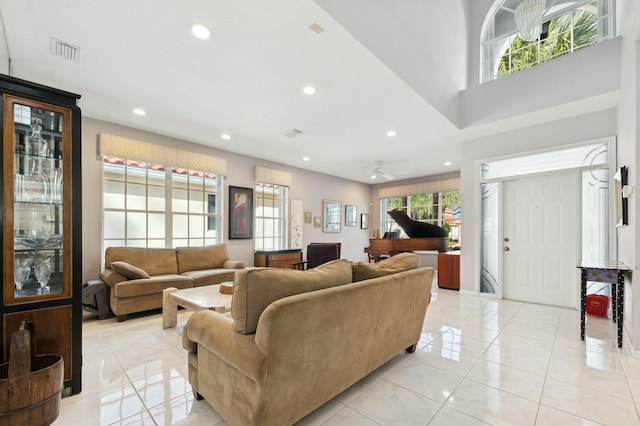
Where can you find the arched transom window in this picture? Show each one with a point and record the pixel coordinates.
(567, 27)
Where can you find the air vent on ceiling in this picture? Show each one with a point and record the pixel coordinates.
(293, 133)
(65, 50)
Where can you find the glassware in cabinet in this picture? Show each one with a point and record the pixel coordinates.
(37, 220)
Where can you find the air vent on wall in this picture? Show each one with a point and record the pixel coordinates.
(65, 50)
(293, 133)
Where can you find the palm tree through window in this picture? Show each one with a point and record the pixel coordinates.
(566, 34)
(568, 26)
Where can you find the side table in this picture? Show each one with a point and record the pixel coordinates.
(607, 272)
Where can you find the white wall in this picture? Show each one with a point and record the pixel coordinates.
(478, 10)
(310, 187)
(629, 155)
(587, 73)
(550, 135)
(424, 42)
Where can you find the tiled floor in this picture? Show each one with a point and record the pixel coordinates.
(481, 361)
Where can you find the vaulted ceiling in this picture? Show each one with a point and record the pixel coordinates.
(376, 66)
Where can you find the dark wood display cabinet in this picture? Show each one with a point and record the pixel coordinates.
(41, 221)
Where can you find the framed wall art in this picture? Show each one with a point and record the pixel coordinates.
(350, 216)
(331, 212)
(364, 221)
(240, 213)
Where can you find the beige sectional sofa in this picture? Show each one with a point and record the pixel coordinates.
(137, 276)
(296, 339)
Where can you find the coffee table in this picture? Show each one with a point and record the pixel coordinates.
(195, 299)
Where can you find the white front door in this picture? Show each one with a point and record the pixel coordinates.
(541, 239)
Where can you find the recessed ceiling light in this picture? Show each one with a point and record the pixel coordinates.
(200, 32)
(305, 158)
(391, 133)
(448, 163)
(309, 90)
(225, 136)
(373, 176)
(139, 111)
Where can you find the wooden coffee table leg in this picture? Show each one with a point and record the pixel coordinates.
(169, 308)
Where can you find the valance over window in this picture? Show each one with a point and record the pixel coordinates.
(131, 149)
(273, 176)
(443, 185)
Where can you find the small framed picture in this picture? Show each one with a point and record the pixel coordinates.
(307, 217)
(316, 221)
(364, 221)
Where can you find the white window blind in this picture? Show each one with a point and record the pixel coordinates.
(131, 149)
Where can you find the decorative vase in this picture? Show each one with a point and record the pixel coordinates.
(36, 184)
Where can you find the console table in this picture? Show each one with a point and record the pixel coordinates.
(606, 272)
(277, 258)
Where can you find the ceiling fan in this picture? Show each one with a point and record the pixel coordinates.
(379, 172)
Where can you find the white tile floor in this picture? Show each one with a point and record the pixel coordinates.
(480, 361)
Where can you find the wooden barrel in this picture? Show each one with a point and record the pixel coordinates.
(30, 385)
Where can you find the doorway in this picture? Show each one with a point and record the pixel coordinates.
(539, 215)
(541, 222)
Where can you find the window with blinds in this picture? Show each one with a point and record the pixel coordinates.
(153, 205)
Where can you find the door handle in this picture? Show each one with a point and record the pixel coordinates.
(506, 249)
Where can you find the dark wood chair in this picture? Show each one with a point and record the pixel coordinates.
(319, 253)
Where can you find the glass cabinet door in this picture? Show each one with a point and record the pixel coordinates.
(37, 262)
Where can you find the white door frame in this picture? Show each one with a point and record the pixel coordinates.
(478, 181)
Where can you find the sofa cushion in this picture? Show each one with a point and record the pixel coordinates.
(210, 276)
(199, 258)
(156, 261)
(398, 263)
(255, 289)
(154, 285)
(128, 270)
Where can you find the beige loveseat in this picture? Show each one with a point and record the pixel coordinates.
(137, 276)
(296, 339)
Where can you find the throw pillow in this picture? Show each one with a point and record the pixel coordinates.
(128, 270)
(255, 289)
(398, 263)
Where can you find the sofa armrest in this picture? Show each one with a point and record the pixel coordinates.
(214, 332)
(233, 264)
(112, 277)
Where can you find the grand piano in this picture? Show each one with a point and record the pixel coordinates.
(422, 236)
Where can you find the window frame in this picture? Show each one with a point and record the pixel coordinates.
(133, 172)
(438, 210)
(490, 43)
(278, 239)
